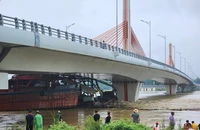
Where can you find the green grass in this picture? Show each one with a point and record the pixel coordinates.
(90, 124)
(62, 126)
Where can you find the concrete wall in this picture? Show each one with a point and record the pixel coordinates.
(3, 80)
(133, 91)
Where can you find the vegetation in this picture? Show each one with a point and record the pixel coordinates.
(90, 124)
(163, 127)
(62, 126)
(13, 127)
(197, 80)
(122, 124)
(151, 82)
(125, 124)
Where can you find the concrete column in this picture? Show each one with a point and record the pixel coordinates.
(120, 91)
(171, 89)
(133, 91)
(3, 81)
(138, 90)
(127, 91)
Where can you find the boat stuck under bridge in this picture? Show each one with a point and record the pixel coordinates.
(54, 92)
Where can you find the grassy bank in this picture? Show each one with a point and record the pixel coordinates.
(90, 124)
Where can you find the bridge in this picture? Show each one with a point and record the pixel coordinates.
(27, 47)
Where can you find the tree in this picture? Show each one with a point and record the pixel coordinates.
(197, 80)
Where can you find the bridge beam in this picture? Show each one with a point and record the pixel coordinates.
(171, 89)
(3, 81)
(127, 91)
(4, 52)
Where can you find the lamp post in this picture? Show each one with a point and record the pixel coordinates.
(180, 58)
(117, 24)
(148, 23)
(188, 65)
(185, 63)
(116, 50)
(67, 27)
(174, 55)
(164, 37)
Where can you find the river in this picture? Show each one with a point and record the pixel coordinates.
(153, 106)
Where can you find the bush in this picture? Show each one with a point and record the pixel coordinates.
(61, 126)
(125, 124)
(90, 124)
(13, 127)
(122, 124)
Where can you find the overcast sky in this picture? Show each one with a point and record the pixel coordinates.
(179, 20)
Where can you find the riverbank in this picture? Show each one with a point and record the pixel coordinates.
(152, 107)
(160, 101)
(179, 102)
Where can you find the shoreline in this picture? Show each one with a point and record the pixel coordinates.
(182, 103)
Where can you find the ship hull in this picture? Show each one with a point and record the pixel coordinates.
(38, 100)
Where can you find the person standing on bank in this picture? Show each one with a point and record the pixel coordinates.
(136, 116)
(96, 116)
(186, 125)
(38, 121)
(172, 121)
(194, 125)
(58, 117)
(156, 127)
(29, 120)
(107, 120)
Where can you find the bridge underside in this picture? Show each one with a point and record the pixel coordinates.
(32, 59)
(36, 60)
(24, 59)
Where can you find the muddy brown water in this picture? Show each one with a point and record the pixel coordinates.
(156, 107)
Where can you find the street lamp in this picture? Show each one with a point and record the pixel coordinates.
(185, 63)
(174, 55)
(188, 65)
(116, 50)
(67, 27)
(164, 37)
(117, 24)
(180, 58)
(148, 23)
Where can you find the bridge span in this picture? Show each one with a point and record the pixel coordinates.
(31, 47)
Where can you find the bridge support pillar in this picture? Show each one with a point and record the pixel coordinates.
(127, 91)
(186, 88)
(171, 89)
(3, 81)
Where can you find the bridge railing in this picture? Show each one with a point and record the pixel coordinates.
(47, 30)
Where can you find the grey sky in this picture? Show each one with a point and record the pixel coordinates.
(179, 20)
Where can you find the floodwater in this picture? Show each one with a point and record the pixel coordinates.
(155, 99)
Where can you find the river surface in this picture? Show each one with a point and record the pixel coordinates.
(148, 101)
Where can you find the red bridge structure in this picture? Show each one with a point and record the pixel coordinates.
(126, 36)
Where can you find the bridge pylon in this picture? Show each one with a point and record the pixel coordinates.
(126, 36)
(170, 60)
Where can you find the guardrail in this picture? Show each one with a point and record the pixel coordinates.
(47, 30)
